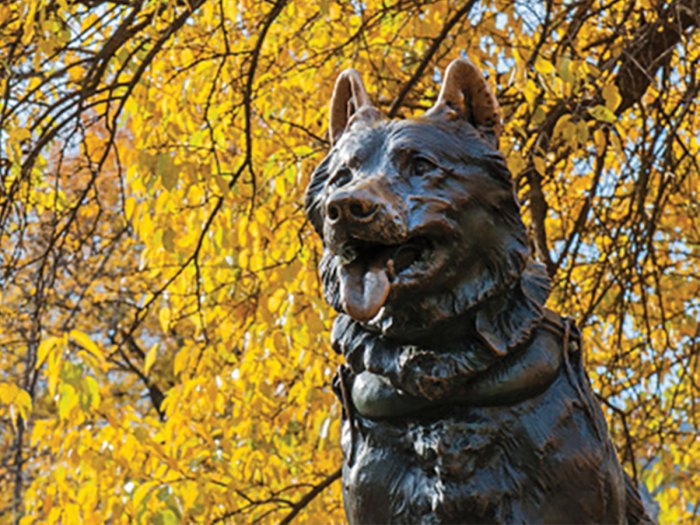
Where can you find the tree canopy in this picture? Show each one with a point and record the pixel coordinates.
(164, 350)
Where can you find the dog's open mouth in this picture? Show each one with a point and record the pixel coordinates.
(368, 270)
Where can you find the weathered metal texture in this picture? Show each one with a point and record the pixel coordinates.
(465, 400)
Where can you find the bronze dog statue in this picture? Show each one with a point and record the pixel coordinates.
(465, 400)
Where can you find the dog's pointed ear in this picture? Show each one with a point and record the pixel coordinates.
(466, 94)
(350, 99)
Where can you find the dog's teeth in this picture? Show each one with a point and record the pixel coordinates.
(390, 270)
(347, 254)
(406, 256)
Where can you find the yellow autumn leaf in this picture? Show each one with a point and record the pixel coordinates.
(54, 363)
(180, 362)
(143, 492)
(150, 358)
(276, 300)
(540, 164)
(84, 340)
(599, 140)
(45, 347)
(544, 66)
(23, 401)
(612, 97)
(7, 393)
(530, 91)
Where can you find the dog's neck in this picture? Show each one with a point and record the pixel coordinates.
(507, 320)
(483, 334)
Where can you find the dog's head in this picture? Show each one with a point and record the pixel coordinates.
(418, 217)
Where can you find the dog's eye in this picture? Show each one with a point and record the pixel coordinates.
(420, 166)
(341, 177)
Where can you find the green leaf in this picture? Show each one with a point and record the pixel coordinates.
(90, 394)
(602, 114)
(165, 517)
(169, 239)
(68, 400)
(565, 69)
(166, 170)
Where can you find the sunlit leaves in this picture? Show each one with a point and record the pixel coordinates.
(15, 401)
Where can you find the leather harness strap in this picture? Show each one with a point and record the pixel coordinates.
(342, 390)
(567, 328)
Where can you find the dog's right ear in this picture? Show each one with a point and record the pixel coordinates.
(350, 101)
(467, 94)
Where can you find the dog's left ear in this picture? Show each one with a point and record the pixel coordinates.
(466, 94)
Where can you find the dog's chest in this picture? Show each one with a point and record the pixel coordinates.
(485, 465)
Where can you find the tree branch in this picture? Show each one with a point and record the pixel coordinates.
(638, 63)
(303, 502)
(652, 49)
(437, 41)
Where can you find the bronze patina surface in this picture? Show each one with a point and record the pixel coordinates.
(465, 399)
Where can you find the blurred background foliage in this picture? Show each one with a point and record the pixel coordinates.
(164, 351)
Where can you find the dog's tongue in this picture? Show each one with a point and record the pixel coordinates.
(363, 288)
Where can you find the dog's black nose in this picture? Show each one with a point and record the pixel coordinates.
(355, 206)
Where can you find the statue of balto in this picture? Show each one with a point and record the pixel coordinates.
(465, 399)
